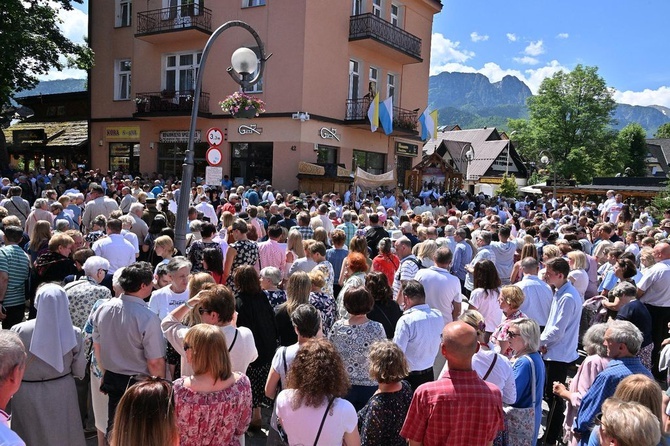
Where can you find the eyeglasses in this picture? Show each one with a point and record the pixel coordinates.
(186, 346)
(512, 334)
(203, 311)
(104, 271)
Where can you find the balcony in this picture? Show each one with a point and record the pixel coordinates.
(370, 31)
(169, 103)
(186, 22)
(404, 121)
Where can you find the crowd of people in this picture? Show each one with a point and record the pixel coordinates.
(375, 318)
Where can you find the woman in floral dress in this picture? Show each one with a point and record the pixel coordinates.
(242, 252)
(213, 405)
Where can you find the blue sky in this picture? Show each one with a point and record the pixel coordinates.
(532, 39)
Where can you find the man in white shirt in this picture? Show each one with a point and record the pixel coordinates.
(13, 360)
(442, 289)
(115, 248)
(538, 294)
(127, 222)
(166, 299)
(417, 333)
(207, 210)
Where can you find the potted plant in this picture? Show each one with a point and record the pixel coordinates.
(241, 105)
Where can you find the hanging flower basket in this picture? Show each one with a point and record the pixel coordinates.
(241, 105)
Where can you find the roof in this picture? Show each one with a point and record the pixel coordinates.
(486, 143)
(59, 134)
(660, 149)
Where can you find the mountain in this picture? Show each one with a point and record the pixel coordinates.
(54, 87)
(472, 101)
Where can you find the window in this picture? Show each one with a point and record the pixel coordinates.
(122, 80)
(181, 71)
(182, 10)
(124, 11)
(124, 156)
(377, 7)
(390, 86)
(326, 154)
(354, 79)
(395, 14)
(252, 3)
(356, 7)
(171, 158)
(251, 162)
(258, 86)
(371, 162)
(372, 86)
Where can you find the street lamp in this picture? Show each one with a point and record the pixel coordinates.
(509, 140)
(547, 158)
(244, 62)
(469, 156)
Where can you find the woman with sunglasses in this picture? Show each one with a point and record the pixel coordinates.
(529, 375)
(213, 405)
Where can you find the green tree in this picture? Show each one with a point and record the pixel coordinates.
(663, 131)
(508, 187)
(632, 142)
(32, 44)
(570, 117)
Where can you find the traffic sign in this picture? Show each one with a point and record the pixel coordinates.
(214, 136)
(214, 156)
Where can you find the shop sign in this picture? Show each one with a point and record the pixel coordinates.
(491, 180)
(249, 129)
(327, 133)
(29, 135)
(129, 133)
(172, 136)
(406, 149)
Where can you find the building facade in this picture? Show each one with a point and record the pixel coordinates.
(328, 57)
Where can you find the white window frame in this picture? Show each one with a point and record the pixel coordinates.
(124, 13)
(122, 80)
(252, 3)
(391, 86)
(177, 68)
(395, 14)
(373, 81)
(258, 86)
(354, 91)
(377, 8)
(357, 7)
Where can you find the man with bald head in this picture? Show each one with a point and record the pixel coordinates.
(653, 293)
(459, 408)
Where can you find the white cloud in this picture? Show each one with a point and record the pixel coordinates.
(660, 96)
(475, 37)
(534, 48)
(563, 36)
(527, 60)
(443, 52)
(74, 25)
(512, 37)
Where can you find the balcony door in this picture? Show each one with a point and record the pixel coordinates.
(181, 71)
(183, 9)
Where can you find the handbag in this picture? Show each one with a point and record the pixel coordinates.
(521, 421)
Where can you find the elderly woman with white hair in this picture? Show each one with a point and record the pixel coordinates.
(40, 212)
(45, 409)
(529, 375)
(595, 362)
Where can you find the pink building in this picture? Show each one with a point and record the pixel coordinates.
(327, 57)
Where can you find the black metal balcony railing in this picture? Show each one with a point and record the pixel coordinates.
(369, 26)
(174, 18)
(170, 101)
(357, 110)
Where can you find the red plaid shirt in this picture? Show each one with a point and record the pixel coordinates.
(458, 409)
